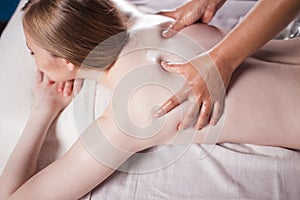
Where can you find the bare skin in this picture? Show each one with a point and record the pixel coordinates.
(260, 109)
(260, 25)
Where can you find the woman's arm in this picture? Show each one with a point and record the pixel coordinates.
(101, 149)
(22, 163)
(76, 172)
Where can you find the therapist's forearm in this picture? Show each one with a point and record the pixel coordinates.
(260, 25)
(22, 163)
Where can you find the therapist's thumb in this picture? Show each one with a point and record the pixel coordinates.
(208, 15)
(171, 14)
(174, 67)
(174, 27)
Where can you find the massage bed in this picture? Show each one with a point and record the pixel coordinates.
(224, 171)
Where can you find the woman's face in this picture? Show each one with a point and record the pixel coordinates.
(56, 68)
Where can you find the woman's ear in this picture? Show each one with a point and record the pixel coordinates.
(70, 66)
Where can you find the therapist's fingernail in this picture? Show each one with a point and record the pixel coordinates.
(164, 64)
(213, 123)
(167, 67)
(158, 113)
(166, 33)
(181, 127)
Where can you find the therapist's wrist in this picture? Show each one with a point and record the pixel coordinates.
(224, 66)
(223, 61)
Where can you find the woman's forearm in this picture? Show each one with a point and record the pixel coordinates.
(261, 24)
(22, 163)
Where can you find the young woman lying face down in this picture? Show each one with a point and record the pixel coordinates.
(261, 103)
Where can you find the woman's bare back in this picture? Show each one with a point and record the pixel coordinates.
(262, 99)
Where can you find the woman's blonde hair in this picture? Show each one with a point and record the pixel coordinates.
(71, 29)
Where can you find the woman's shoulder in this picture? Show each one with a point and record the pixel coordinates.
(147, 46)
(204, 35)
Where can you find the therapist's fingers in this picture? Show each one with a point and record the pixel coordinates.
(173, 101)
(208, 15)
(211, 9)
(171, 14)
(183, 68)
(185, 15)
(173, 28)
(216, 112)
(180, 68)
(190, 116)
(204, 115)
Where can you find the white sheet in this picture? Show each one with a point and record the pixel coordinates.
(229, 171)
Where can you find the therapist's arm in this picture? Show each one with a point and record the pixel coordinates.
(202, 73)
(261, 24)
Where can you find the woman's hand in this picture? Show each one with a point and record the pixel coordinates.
(47, 96)
(190, 12)
(205, 87)
(70, 86)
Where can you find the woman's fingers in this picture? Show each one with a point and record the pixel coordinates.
(61, 86)
(204, 115)
(68, 88)
(77, 85)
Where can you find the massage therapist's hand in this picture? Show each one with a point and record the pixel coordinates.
(190, 12)
(47, 98)
(205, 88)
